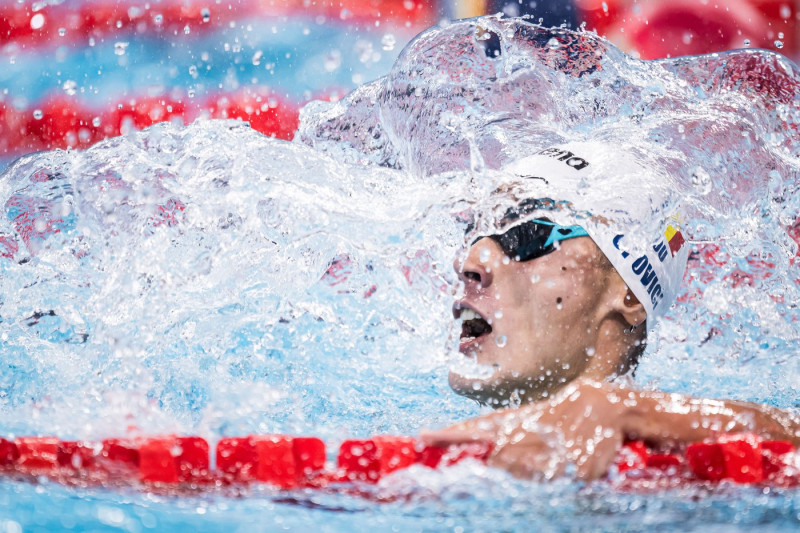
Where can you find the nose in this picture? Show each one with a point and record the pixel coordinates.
(476, 270)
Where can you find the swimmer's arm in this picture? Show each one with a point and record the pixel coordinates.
(586, 423)
(664, 418)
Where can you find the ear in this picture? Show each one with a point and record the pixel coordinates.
(631, 309)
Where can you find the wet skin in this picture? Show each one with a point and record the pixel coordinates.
(553, 319)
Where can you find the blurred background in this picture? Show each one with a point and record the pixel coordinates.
(73, 72)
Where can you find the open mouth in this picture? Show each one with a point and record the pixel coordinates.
(473, 325)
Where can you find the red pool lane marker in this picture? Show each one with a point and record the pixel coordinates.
(632, 456)
(107, 18)
(288, 462)
(773, 460)
(9, 453)
(76, 455)
(280, 460)
(173, 459)
(370, 459)
(37, 454)
(67, 122)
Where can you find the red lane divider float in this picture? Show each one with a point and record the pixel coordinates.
(287, 462)
(36, 24)
(62, 122)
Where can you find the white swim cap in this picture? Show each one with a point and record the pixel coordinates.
(625, 203)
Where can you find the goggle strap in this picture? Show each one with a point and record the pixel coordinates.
(562, 233)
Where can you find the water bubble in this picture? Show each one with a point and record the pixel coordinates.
(91, 41)
(333, 60)
(747, 42)
(388, 41)
(96, 122)
(409, 4)
(687, 37)
(257, 57)
(605, 8)
(206, 14)
(37, 21)
(485, 255)
(553, 43)
(187, 30)
(681, 128)
(120, 48)
(70, 87)
(37, 114)
(62, 32)
(158, 19)
(778, 44)
(786, 11)
(780, 35)
(193, 72)
(501, 341)
(345, 14)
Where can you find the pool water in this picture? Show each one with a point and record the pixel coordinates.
(206, 279)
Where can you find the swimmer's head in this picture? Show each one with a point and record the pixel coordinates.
(572, 279)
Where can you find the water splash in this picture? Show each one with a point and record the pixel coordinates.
(208, 279)
(724, 125)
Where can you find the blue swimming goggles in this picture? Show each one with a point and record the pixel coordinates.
(533, 238)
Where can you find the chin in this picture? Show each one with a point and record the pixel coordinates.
(481, 390)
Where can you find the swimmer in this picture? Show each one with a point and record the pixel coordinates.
(561, 311)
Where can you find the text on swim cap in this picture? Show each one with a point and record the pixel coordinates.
(643, 270)
(569, 159)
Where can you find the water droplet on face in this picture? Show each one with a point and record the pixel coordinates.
(501, 341)
(536, 278)
(485, 255)
(37, 114)
(498, 313)
(506, 260)
(590, 351)
(120, 48)
(388, 42)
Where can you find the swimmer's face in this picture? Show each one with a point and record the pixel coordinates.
(539, 321)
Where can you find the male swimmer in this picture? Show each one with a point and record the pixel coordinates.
(559, 310)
